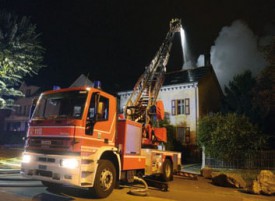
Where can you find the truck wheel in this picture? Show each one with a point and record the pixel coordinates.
(105, 179)
(167, 170)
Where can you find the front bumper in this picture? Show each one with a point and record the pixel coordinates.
(49, 168)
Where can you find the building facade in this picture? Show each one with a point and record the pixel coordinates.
(18, 119)
(187, 96)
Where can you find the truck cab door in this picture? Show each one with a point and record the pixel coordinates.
(98, 112)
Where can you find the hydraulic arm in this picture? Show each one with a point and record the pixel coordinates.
(141, 104)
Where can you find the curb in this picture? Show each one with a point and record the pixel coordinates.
(22, 185)
(9, 171)
(16, 180)
(12, 172)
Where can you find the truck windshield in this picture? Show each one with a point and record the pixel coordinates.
(61, 105)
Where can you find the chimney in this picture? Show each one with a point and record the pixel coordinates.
(207, 61)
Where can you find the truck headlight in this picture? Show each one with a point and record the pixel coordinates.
(70, 163)
(26, 158)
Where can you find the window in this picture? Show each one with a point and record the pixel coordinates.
(18, 110)
(183, 134)
(62, 105)
(99, 108)
(24, 110)
(103, 109)
(14, 126)
(180, 106)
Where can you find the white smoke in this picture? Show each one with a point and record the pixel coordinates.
(235, 51)
(200, 61)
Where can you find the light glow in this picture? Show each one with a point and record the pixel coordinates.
(187, 59)
(183, 43)
(26, 158)
(70, 163)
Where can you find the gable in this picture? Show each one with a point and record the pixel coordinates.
(82, 80)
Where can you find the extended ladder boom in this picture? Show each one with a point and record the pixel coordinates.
(146, 89)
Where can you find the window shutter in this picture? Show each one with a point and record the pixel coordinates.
(187, 106)
(173, 107)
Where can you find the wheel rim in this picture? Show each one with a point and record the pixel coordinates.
(106, 179)
(167, 170)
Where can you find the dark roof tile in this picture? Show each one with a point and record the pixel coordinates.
(186, 76)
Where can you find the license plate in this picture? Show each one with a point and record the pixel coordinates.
(42, 167)
(46, 142)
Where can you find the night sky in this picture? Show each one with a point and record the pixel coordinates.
(113, 41)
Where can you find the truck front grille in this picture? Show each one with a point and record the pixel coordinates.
(44, 173)
(49, 143)
(46, 160)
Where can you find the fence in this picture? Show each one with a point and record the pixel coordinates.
(259, 160)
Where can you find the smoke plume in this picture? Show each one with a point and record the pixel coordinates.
(235, 51)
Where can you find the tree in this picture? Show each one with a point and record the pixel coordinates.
(263, 95)
(20, 55)
(171, 138)
(226, 137)
(239, 97)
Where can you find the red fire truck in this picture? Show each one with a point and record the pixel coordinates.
(76, 137)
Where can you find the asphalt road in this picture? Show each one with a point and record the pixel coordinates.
(14, 188)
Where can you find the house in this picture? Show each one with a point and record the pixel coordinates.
(14, 123)
(187, 96)
(18, 119)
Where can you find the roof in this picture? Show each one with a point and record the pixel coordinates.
(82, 80)
(187, 76)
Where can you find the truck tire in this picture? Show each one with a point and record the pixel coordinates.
(167, 170)
(105, 179)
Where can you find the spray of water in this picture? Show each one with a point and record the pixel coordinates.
(186, 52)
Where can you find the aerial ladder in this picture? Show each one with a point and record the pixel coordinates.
(142, 105)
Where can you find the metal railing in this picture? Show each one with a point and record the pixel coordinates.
(259, 160)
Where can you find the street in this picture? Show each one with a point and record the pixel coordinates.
(15, 188)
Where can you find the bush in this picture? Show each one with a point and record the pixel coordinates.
(228, 136)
